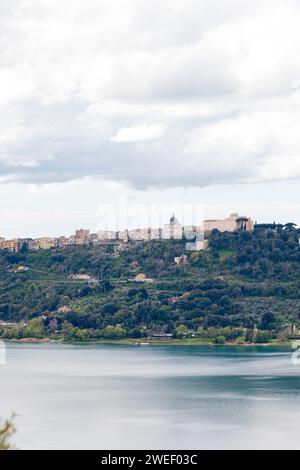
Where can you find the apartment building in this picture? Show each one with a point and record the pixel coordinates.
(45, 243)
(81, 237)
(10, 245)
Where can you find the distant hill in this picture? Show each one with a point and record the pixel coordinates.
(245, 288)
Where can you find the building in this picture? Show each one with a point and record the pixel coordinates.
(123, 235)
(161, 336)
(32, 245)
(45, 243)
(81, 237)
(142, 278)
(80, 277)
(140, 234)
(64, 309)
(173, 230)
(84, 278)
(21, 269)
(62, 241)
(11, 245)
(190, 232)
(155, 234)
(180, 260)
(145, 233)
(134, 235)
(94, 238)
(202, 245)
(231, 224)
(107, 235)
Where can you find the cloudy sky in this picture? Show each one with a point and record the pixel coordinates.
(162, 101)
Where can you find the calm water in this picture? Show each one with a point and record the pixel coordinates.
(110, 397)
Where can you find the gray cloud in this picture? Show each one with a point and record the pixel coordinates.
(150, 94)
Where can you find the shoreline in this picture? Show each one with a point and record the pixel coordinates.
(132, 342)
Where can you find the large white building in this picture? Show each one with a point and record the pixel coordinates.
(231, 224)
(173, 230)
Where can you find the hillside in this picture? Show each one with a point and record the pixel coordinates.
(245, 288)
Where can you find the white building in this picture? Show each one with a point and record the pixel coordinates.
(107, 235)
(231, 224)
(139, 234)
(123, 235)
(156, 234)
(180, 260)
(173, 230)
(202, 245)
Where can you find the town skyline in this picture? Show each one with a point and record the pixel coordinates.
(52, 209)
(197, 234)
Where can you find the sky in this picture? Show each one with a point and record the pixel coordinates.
(164, 103)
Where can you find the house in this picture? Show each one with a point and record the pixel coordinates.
(142, 278)
(180, 260)
(64, 309)
(161, 336)
(80, 277)
(21, 269)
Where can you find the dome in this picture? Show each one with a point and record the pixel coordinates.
(173, 220)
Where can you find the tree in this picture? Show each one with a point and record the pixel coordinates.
(220, 339)
(35, 328)
(181, 331)
(7, 429)
(290, 226)
(268, 320)
(68, 330)
(113, 332)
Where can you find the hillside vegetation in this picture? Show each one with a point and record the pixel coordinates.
(245, 288)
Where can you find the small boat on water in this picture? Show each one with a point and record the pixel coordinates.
(142, 343)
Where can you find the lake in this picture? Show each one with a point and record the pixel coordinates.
(152, 397)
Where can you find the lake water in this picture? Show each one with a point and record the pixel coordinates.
(152, 397)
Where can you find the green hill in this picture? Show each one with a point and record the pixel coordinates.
(245, 288)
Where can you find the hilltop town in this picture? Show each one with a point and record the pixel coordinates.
(241, 286)
(171, 231)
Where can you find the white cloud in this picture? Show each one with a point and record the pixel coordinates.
(211, 87)
(141, 133)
